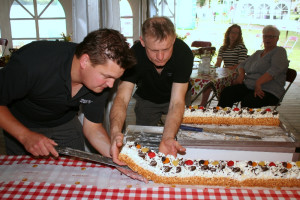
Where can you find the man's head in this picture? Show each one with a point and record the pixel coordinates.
(106, 44)
(103, 56)
(158, 37)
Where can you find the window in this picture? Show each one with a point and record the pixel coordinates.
(33, 20)
(281, 11)
(126, 21)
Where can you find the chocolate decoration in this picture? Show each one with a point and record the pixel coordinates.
(153, 163)
(167, 168)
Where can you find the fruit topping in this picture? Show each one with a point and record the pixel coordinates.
(145, 149)
(268, 110)
(289, 165)
(151, 154)
(175, 162)
(189, 162)
(230, 163)
(298, 163)
(165, 160)
(262, 163)
(201, 162)
(254, 164)
(272, 164)
(195, 106)
(215, 163)
(205, 162)
(200, 107)
(236, 109)
(138, 146)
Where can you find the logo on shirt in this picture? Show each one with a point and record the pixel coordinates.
(85, 101)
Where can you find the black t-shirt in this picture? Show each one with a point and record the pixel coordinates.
(36, 86)
(157, 87)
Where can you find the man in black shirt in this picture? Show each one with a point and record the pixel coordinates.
(43, 85)
(161, 76)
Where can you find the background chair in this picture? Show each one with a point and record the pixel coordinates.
(290, 43)
(291, 75)
(201, 44)
(3, 43)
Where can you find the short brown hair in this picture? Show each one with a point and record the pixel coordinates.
(106, 44)
(158, 27)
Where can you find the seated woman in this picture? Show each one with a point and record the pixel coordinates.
(261, 77)
(232, 53)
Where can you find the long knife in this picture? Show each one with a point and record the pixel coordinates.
(88, 156)
(196, 129)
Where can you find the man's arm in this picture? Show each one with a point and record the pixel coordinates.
(117, 118)
(97, 136)
(168, 144)
(99, 139)
(35, 143)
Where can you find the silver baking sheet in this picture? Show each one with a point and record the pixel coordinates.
(220, 136)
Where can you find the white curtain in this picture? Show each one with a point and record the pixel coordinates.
(90, 15)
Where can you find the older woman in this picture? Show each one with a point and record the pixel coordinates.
(261, 77)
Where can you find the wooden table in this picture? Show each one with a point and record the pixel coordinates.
(218, 82)
(22, 177)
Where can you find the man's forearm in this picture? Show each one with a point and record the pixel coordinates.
(173, 120)
(117, 117)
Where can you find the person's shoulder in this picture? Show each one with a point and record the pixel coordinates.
(241, 46)
(180, 47)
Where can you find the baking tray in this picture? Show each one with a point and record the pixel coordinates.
(274, 139)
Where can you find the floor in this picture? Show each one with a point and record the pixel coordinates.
(289, 112)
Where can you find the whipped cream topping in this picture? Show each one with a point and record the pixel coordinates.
(200, 111)
(169, 166)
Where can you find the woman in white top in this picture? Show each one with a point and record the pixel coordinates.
(232, 53)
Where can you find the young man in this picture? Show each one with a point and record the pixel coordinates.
(162, 78)
(43, 85)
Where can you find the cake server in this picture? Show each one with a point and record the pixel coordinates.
(88, 156)
(197, 129)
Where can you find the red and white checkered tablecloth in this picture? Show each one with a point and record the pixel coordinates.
(43, 190)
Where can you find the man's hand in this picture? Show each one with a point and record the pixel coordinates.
(39, 145)
(116, 144)
(132, 174)
(169, 146)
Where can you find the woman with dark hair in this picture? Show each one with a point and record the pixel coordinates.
(233, 50)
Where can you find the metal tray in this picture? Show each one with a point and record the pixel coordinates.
(274, 139)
